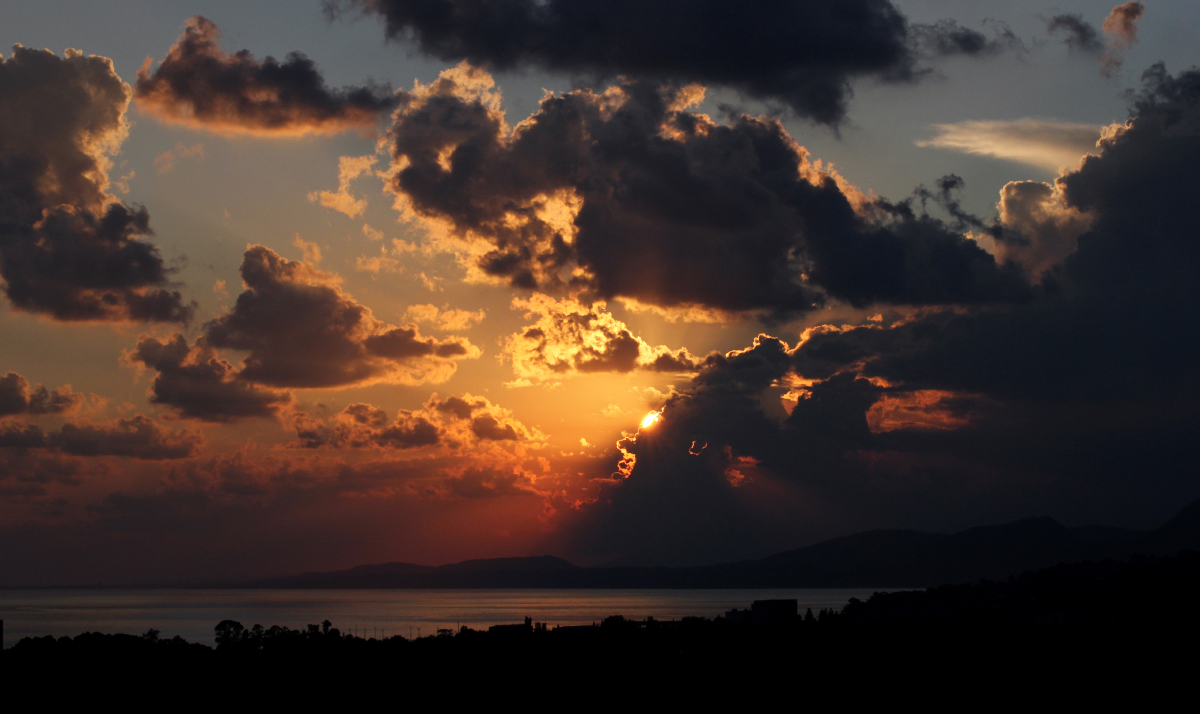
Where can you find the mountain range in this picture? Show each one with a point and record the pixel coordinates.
(878, 558)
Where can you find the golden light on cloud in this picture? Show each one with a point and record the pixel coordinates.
(1045, 144)
(921, 409)
(651, 419)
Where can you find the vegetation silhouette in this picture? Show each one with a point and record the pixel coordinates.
(1101, 635)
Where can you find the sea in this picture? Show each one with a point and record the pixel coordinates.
(192, 614)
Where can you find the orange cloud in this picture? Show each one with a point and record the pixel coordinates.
(1121, 28)
(449, 320)
(17, 397)
(349, 168)
(165, 162)
(920, 409)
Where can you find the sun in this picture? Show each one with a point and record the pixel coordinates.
(651, 419)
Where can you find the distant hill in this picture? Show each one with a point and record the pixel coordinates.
(881, 558)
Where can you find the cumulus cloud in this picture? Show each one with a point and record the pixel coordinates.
(570, 337)
(1046, 228)
(68, 248)
(454, 422)
(17, 397)
(805, 52)
(199, 85)
(1049, 145)
(628, 194)
(349, 168)
(196, 381)
(362, 425)
(302, 330)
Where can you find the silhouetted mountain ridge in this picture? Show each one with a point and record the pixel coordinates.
(879, 558)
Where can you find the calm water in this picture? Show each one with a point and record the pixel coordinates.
(193, 613)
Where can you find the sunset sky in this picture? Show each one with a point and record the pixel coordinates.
(297, 286)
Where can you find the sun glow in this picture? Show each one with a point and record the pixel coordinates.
(651, 419)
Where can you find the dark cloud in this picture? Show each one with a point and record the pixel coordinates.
(138, 437)
(1120, 26)
(651, 201)
(1079, 34)
(802, 54)
(20, 435)
(490, 428)
(199, 85)
(947, 38)
(32, 468)
(459, 407)
(68, 249)
(1080, 403)
(201, 385)
(362, 425)
(16, 397)
(301, 330)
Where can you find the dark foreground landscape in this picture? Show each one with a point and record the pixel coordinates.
(1102, 635)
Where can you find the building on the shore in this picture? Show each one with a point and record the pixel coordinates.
(765, 613)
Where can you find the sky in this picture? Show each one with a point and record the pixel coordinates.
(300, 286)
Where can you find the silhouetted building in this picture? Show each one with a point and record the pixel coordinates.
(765, 613)
(522, 629)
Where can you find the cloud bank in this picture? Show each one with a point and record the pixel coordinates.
(1080, 400)
(801, 54)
